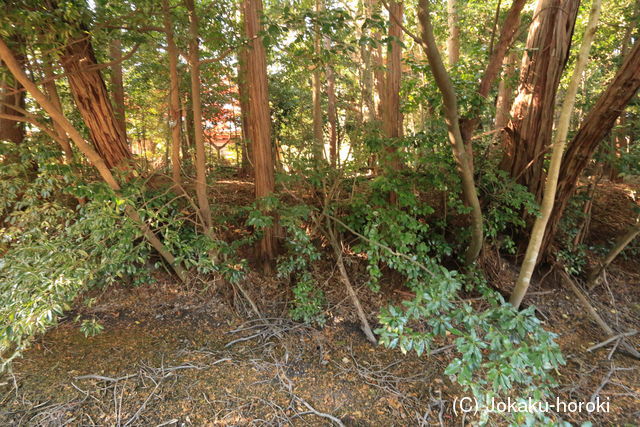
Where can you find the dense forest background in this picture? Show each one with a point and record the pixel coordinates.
(434, 172)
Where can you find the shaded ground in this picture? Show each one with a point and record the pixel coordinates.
(171, 355)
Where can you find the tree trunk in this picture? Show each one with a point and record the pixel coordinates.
(620, 138)
(117, 86)
(559, 141)
(507, 37)
(260, 126)
(52, 93)
(531, 126)
(316, 83)
(11, 93)
(247, 163)
(174, 95)
(391, 117)
(92, 100)
(332, 115)
(367, 83)
(455, 137)
(596, 125)
(92, 155)
(505, 92)
(453, 41)
(201, 164)
(621, 243)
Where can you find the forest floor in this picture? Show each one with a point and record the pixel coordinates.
(176, 355)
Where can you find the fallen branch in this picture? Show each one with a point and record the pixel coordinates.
(614, 338)
(318, 413)
(593, 313)
(103, 378)
(364, 323)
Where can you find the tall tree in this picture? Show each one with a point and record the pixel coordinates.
(247, 162)
(508, 33)
(174, 94)
(316, 85)
(453, 126)
(559, 141)
(117, 85)
(332, 113)
(505, 92)
(595, 126)
(529, 131)
(93, 102)
(453, 40)
(260, 120)
(201, 165)
(391, 116)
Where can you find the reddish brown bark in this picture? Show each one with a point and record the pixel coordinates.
(92, 100)
(391, 117)
(529, 131)
(260, 120)
(594, 128)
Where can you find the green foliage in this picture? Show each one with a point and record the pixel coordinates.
(91, 327)
(301, 253)
(403, 229)
(499, 349)
(54, 248)
(308, 300)
(506, 203)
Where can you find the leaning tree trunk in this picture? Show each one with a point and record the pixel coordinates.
(530, 129)
(455, 137)
(52, 92)
(11, 94)
(92, 100)
(594, 128)
(260, 126)
(559, 141)
(92, 155)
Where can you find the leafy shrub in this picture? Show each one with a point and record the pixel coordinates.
(301, 253)
(499, 349)
(403, 229)
(54, 248)
(505, 205)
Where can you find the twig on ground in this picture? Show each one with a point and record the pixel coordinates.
(613, 338)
